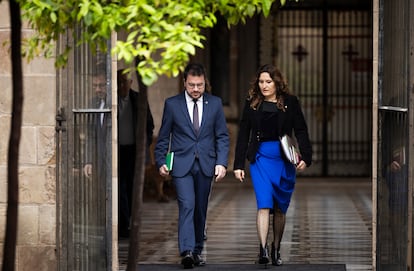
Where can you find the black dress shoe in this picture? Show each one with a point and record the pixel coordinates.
(198, 260)
(187, 261)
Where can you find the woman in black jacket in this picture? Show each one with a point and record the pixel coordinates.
(269, 113)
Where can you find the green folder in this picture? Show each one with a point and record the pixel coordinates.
(169, 160)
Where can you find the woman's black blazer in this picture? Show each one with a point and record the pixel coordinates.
(292, 120)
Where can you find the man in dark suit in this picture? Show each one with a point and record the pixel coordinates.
(194, 128)
(92, 151)
(98, 140)
(127, 121)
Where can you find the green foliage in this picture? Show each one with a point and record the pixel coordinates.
(161, 33)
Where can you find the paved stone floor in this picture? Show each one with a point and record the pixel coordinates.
(328, 222)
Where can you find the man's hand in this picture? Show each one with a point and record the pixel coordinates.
(220, 171)
(87, 170)
(163, 170)
(239, 174)
(395, 166)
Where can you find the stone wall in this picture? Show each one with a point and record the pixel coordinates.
(37, 182)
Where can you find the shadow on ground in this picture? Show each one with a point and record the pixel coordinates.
(246, 267)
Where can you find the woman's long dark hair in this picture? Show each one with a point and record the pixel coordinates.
(256, 97)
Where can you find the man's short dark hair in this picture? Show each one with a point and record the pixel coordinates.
(194, 69)
(197, 69)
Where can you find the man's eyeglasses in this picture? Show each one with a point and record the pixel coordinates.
(192, 86)
(99, 85)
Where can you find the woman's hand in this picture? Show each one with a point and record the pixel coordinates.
(301, 166)
(239, 174)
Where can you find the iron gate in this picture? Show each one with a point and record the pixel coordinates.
(84, 161)
(326, 56)
(393, 187)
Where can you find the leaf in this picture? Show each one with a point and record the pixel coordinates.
(84, 9)
(148, 9)
(53, 17)
(267, 5)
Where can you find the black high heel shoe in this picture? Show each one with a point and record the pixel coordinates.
(263, 255)
(276, 260)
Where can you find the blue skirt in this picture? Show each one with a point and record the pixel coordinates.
(273, 178)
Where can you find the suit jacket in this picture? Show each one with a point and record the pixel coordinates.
(134, 96)
(211, 145)
(292, 119)
(96, 138)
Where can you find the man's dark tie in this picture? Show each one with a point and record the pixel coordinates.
(196, 124)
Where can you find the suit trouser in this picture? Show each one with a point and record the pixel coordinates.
(126, 168)
(192, 196)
